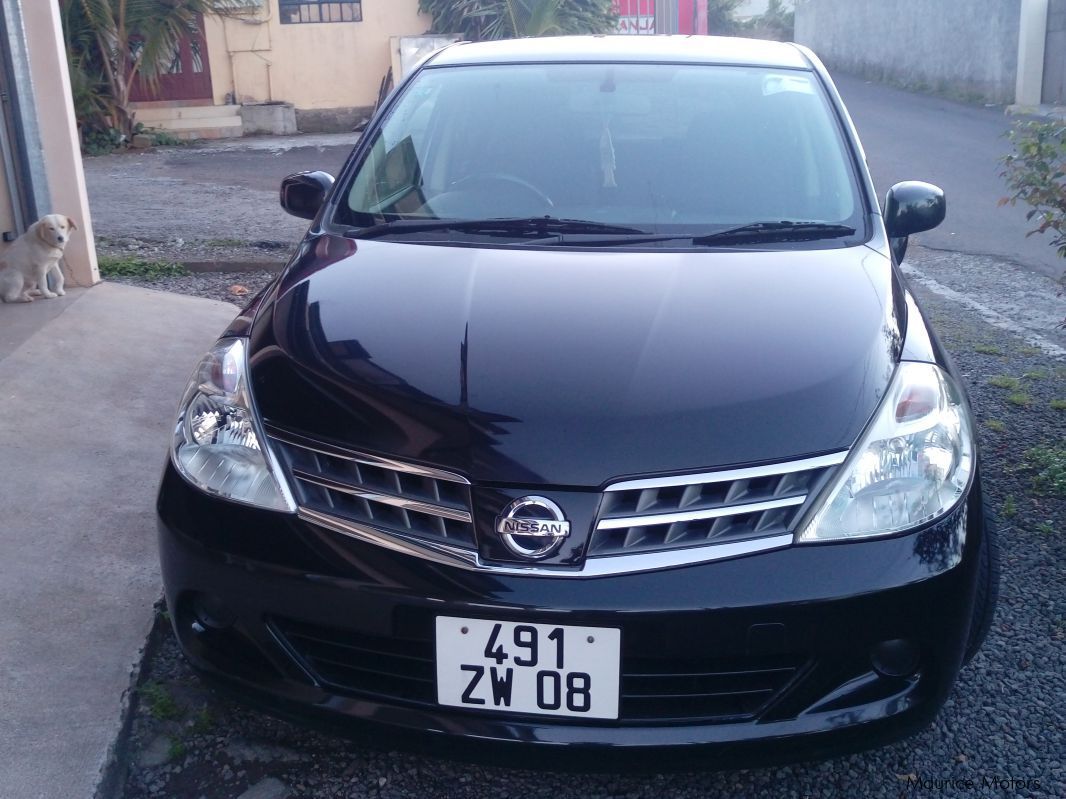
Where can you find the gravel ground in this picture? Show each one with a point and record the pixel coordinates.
(235, 287)
(1005, 721)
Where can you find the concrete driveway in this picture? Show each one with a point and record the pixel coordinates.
(88, 387)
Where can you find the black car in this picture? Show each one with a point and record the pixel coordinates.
(593, 410)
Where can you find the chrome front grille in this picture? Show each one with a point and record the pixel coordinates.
(642, 525)
(384, 494)
(682, 511)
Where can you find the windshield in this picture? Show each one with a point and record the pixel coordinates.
(653, 147)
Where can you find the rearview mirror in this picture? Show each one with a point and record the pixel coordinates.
(302, 194)
(912, 207)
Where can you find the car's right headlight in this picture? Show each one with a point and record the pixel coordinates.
(912, 465)
(217, 443)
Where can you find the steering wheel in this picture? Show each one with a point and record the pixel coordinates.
(487, 179)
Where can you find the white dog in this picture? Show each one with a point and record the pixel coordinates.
(32, 257)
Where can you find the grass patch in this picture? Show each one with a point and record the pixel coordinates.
(202, 722)
(159, 701)
(177, 749)
(1047, 528)
(1019, 398)
(987, 349)
(110, 266)
(1010, 507)
(1002, 381)
(224, 243)
(1030, 351)
(1058, 405)
(995, 425)
(1049, 465)
(1036, 374)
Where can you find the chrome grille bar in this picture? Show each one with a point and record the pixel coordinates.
(385, 499)
(626, 522)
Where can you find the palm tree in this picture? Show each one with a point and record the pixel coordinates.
(507, 19)
(113, 43)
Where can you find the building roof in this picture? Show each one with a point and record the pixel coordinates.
(641, 49)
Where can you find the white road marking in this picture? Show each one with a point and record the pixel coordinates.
(990, 315)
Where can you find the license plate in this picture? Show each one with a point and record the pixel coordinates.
(528, 668)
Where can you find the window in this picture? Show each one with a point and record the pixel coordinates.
(296, 11)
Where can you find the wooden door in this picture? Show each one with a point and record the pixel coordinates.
(187, 78)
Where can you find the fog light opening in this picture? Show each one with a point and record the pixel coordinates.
(896, 658)
(210, 613)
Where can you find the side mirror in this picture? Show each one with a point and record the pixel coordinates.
(302, 194)
(912, 207)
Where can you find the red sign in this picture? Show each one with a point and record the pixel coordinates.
(635, 17)
(638, 16)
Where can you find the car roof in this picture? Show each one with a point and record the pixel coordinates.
(625, 49)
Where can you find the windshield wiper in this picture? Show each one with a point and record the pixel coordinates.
(533, 226)
(757, 232)
(753, 233)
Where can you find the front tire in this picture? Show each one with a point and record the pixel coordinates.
(987, 596)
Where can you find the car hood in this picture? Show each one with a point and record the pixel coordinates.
(555, 367)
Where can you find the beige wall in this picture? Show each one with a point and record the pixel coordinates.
(59, 134)
(311, 65)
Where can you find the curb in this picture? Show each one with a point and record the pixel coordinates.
(201, 267)
(111, 781)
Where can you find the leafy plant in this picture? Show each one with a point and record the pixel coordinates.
(480, 20)
(995, 425)
(101, 141)
(111, 44)
(1036, 173)
(111, 266)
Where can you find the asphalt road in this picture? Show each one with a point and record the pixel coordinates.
(911, 136)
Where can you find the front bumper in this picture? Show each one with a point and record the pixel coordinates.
(306, 623)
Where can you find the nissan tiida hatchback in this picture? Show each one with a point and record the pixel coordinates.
(593, 410)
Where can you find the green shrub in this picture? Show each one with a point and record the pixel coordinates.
(1036, 174)
(101, 141)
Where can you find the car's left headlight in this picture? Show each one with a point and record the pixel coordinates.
(911, 466)
(217, 442)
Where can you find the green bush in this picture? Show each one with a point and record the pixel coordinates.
(101, 141)
(1036, 174)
